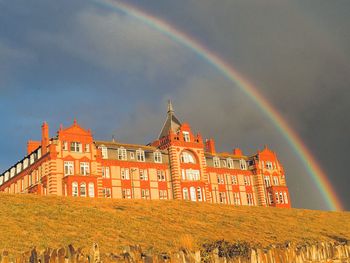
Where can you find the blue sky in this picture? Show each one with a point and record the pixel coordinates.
(65, 59)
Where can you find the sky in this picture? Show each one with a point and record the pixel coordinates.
(61, 60)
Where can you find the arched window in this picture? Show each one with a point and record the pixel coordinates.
(185, 193)
(74, 189)
(187, 157)
(91, 190)
(83, 189)
(199, 194)
(193, 193)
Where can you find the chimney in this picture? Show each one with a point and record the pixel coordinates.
(44, 137)
(210, 146)
(237, 151)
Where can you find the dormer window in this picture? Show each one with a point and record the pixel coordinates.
(275, 180)
(229, 163)
(157, 157)
(216, 161)
(243, 164)
(75, 147)
(104, 152)
(140, 155)
(122, 153)
(186, 136)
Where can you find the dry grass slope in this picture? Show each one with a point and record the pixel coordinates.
(28, 220)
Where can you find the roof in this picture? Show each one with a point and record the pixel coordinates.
(171, 123)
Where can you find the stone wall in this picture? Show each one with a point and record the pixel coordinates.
(318, 252)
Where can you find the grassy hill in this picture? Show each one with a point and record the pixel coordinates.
(28, 220)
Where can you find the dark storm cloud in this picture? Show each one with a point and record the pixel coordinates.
(115, 74)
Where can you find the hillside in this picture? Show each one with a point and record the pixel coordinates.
(28, 220)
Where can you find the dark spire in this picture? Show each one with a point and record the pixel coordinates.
(171, 122)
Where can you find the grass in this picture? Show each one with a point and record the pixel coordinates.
(29, 220)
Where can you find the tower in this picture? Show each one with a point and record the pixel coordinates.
(186, 157)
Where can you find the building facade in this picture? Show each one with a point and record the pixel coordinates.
(178, 165)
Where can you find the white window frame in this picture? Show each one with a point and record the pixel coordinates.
(199, 194)
(87, 147)
(163, 194)
(76, 147)
(185, 194)
(157, 157)
(140, 155)
(267, 180)
(91, 188)
(186, 136)
(143, 174)
(106, 172)
(247, 180)
(250, 199)
(216, 162)
(222, 197)
(84, 168)
(122, 154)
(83, 190)
(187, 157)
(285, 197)
(161, 175)
(68, 168)
(145, 194)
(75, 189)
(107, 192)
(104, 152)
(234, 180)
(243, 164)
(229, 163)
(126, 193)
(65, 146)
(124, 174)
(236, 198)
(269, 165)
(275, 180)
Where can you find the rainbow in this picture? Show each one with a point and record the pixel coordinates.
(313, 168)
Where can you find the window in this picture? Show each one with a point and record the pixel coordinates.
(143, 175)
(126, 193)
(234, 180)
(1, 180)
(271, 198)
(193, 193)
(74, 189)
(83, 189)
(157, 157)
(275, 180)
(105, 172)
(91, 190)
(277, 200)
(269, 165)
(222, 198)
(75, 147)
(199, 194)
(144, 193)
(281, 198)
(87, 147)
(140, 155)
(236, 199)
(84, 168)
(32, 158)
(267, 181)
(190, 175)
(104, 152)
(243, 164)
(216, 161)
(285, 197)
(187, 157)
(132, 156)
(161, 175)
(163, 194)
(18, 168)
(185, 193)
(186, 136)
(7, 176)
(246, 180)
(220, 179)
(68, 168)
(229, 163)
(250, 200)
(125, 173)
(25, 163)
(122, 153)
(106, 192)
(224, 163)
(65, 146)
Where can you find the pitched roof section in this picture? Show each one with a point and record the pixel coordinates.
(171, 123)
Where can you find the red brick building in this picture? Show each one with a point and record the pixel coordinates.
(178, 165)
